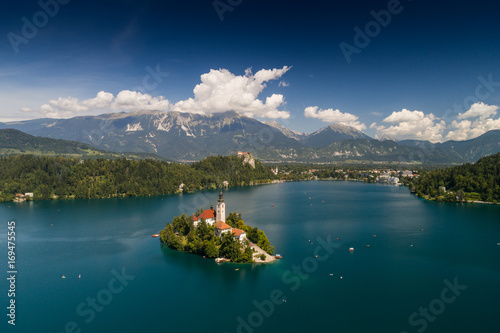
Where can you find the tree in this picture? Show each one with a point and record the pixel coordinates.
(211, 251)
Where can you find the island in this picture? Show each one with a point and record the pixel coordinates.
(210, 234)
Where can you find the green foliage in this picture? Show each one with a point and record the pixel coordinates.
(182, 235)
(259, 237)
(211, 250)
(262, 257)
(232, 170)
(468, 182)
(235, 221)
(14, 142)
(101, 178)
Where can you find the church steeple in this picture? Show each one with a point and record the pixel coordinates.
(221, 199)
(221, 208)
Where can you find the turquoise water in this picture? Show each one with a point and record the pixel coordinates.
(165, 291)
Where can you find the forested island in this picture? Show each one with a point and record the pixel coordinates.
(72, 178)
(478, 182)
(203, 238)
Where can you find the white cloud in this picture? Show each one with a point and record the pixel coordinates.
(334, 116)
(283, 84)
(66, 107)
(479, 110)
(470, 128)
(412, 125)
(134, 100)
(25, 109)
(221, 90)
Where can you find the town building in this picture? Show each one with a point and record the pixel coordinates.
(221, 228)
(208, 215)
(239, 234)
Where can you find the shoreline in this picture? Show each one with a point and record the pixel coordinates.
(271, 182)
(260, 262)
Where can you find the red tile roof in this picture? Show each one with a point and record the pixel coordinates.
(207, 214)
(237, 232)
(221, 225)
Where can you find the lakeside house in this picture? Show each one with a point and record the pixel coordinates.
(239, 234)
(221, 228)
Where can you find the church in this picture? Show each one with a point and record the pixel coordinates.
(217, 218)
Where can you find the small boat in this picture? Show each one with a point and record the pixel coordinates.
(156, 235)
(219, 260)
(351, 249)
(498, 243)
(272, 205)
(79, 276)
(278, 256)
(237, 269)
(63, 277)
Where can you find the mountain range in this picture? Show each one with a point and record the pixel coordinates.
(192, 137)
(15, 142)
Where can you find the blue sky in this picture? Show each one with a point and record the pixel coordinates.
(427, 70)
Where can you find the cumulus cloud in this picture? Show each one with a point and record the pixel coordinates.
(221, 90)
(66, 107)
(406, 124)
(479, 119)
(334, 116)
(479, 110)
(283, 84)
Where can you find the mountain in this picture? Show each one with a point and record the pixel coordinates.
(287, 132)
(175, 135)
(13, 142)
(192, 137)
(473, 150)
(332, 133)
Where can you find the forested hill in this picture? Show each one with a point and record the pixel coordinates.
(469, 182)
(61, 177)
(14, 142)
(232, 169)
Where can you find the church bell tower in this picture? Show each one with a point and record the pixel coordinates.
(221, 208)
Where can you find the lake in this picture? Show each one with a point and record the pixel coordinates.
(432, 267)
